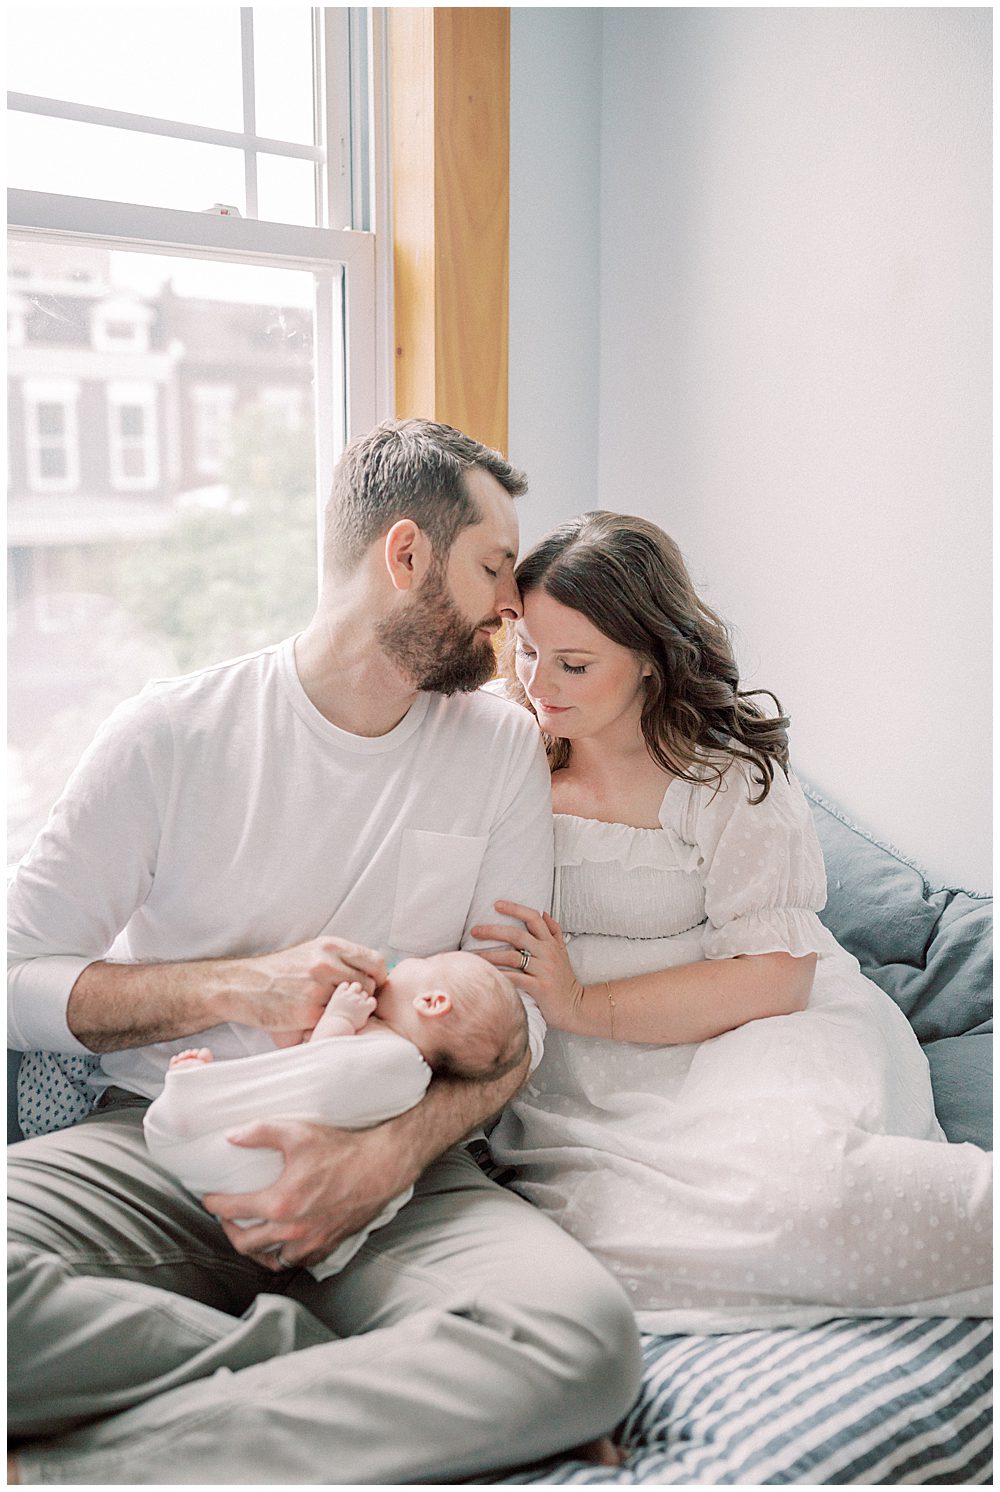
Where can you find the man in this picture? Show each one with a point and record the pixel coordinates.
(343, 798)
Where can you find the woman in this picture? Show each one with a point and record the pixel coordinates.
(728, 1113)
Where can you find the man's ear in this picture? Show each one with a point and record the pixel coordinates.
(437, 1002)
(407, 553)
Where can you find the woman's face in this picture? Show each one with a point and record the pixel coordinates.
(580, 682)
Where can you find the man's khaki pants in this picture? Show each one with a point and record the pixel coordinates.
(469, 1335)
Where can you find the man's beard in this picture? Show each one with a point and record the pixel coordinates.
(431, 642)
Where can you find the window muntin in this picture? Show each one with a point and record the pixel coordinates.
(61, 155)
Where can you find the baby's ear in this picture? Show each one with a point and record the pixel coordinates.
(437, 1002)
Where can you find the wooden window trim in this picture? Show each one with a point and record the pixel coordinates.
(449, 78)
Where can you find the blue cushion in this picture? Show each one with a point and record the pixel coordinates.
(931, 950)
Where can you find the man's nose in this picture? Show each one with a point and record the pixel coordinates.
(509, 600)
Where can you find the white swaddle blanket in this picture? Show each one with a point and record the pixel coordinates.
(348, 1081)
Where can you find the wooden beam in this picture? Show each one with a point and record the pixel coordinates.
(449, 70)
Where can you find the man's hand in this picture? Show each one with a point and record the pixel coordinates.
(334, 1182)
(288, 991)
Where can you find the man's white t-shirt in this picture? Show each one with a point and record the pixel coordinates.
(221, 815)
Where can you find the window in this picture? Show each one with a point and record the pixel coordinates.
(182, 379)
(133, 450)
(53, 459)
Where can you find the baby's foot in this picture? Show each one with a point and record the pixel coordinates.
(195, 1056)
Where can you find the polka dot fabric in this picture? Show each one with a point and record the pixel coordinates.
(789, 1171)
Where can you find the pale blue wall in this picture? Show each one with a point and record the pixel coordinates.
(554, 259)
(785, 359)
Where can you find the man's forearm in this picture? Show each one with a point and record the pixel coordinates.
(451, 1109)
(115, 1006)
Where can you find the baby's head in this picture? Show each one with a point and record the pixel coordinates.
(465, 1017)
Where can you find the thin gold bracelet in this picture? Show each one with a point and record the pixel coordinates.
(611, 1002)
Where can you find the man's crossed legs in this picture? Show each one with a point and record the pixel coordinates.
(468, 1335)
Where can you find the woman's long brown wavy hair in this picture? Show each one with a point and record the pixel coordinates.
(628, 578)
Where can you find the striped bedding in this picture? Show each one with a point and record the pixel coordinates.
(868, 1402)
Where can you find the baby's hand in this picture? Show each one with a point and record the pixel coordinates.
(350, 1004)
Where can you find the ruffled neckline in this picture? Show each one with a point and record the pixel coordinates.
(580, 839)
(632, 828)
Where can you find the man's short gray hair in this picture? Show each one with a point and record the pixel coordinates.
(407, 469)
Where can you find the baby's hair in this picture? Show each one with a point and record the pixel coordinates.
(628, 578)
(494, 1029)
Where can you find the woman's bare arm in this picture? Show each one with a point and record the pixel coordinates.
(693, 1002)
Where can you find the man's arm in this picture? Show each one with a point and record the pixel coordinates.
(335, 1181)
(115, 1006)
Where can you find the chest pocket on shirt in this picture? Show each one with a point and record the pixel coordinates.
(437, 877)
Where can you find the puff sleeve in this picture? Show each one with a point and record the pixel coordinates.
(760, 864)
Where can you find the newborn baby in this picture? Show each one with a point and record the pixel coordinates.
(452, 1014)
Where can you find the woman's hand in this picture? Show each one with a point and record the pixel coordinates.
(548, 977)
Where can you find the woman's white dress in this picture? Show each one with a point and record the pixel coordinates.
(783, 1173)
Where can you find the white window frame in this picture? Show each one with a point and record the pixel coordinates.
(64, 392)
(347, 42)
(144, 395)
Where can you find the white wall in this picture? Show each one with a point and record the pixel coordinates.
(554, 260)
(794, 369)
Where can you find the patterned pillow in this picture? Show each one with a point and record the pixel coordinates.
(54, 1091)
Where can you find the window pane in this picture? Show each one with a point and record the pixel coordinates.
(52, 461)
(130, 418)
(172, 63)
(286, 190)
(282, 37)
(133, 462)
(51, 419)
(117, 580)
(92, 160)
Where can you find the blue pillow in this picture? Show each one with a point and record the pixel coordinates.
(931, 950)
